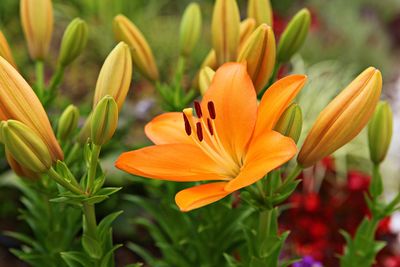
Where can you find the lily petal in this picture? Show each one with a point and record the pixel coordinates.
(167, 128)
(275, 100)
(201, 195)
(266, 152)
(172, 162)
(235, 101)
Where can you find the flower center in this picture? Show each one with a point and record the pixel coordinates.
(205, 135)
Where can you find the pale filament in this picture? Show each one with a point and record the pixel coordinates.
(215, 150)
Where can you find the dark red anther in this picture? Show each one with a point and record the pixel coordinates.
(188, 128)
(211, 110)
(209, 125)
(197, 107)
(199, 131)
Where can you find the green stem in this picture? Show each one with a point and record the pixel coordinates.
(177, 81)
(93, 166)
(60, 180)
(267, 233)
(392, 205)
(376, 186)
(72, 153)
(84, 133)
(372, 227)
(39, 69)
(56, 79)
(90, 215)
(264, 227)
(293, 175)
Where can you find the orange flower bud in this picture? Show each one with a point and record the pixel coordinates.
(5, 50)
(259, 53)
(37, 23)
(225, 30)
(343, 118)
(260, 10)
(142, 55)
(19, 102)
(19, 169)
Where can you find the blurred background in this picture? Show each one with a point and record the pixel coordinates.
(345, 38)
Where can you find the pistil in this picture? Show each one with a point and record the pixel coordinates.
(212, 145)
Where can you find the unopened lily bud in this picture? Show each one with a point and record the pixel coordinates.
(205, 77)
(247, 27)
(225, 30)
(19, 102)
(5, 50)
(68, 122)
(19, 169)
(26, 146)
(260, 10)
(142, 55)
(210, 60)
(343, 119)
(259, 53)
(37, 23)
(190, 29)
(115, 75)
(104, 121)
(294, 35)
(380, 130)
(73, 42)
(290, 122)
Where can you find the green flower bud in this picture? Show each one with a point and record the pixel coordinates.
(27, 148)
(291, 122)
(73, 42)
(205, 77)
(259, 53)
(294, 35)
(68, 122)
(380, 130)
(190, 29)
(104, 120)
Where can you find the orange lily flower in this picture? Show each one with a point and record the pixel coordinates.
(231, 140)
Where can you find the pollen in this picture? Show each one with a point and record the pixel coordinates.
(197, 108)
(188, 128)
(199, 131)
(211, 110)
(210, 127)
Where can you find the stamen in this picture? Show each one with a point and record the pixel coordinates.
(209, 125)
(197, 107)
(188, 128)
(199, 131)
(211, 110)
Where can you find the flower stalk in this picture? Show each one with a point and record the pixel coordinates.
(39, 69)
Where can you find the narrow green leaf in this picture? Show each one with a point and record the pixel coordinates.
(92, 247)
(108, 191)
(76, 259)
